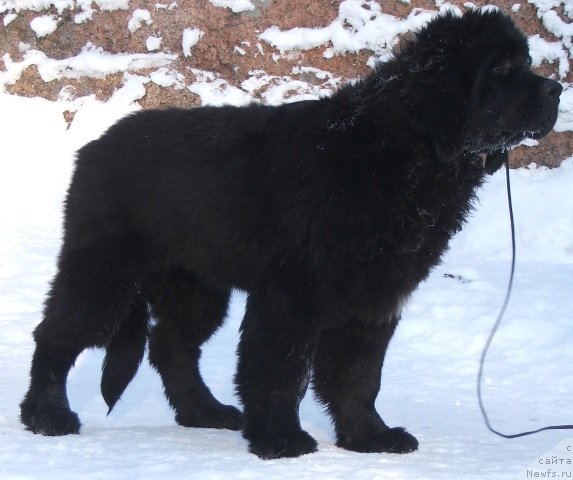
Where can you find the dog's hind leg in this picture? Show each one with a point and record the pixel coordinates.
(187, 312)
(90, 297)
(346, 379)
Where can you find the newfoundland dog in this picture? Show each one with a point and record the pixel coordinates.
(328, 213)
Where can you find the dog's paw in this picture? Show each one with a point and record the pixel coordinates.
(223, 416)
(392, 440)
(51, 422)
(283, 445)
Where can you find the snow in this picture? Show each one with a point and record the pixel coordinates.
(236, 6)
(556, 25)
(542, 50)
(9, 18)
(44, 25)
(239, 50)
(429, 378)
(191, 38)
(111, 5)
(165, 6)
(86, 12)
(565, 119)
(139, 16)
(360, 25)
(153, 43)
(92, 61)
(275, 90)
(83, 7)
(36, 5)
(552, 21)
(428, 383)
(165, 77)
(298, 37)
(216, 91)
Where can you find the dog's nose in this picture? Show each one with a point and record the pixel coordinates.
(551, 88)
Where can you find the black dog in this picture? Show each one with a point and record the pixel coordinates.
(328, 213)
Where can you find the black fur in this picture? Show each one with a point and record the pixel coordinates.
(124, 354)
(328, 213)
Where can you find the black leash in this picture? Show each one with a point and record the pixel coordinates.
(496, 326)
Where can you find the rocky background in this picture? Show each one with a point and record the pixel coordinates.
(190, 44)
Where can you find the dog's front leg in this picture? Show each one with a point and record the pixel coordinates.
(346, 380)
(275, 355)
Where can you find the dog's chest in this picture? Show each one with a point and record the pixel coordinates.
(421, 221)
(437, 201)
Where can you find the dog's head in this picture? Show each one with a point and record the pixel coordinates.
(480, 93)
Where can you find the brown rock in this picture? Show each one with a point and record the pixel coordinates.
(229, 46)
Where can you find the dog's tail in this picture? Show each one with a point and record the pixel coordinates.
(124, 354)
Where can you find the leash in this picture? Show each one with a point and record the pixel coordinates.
(496, 327)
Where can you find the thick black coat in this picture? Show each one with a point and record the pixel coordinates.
(328, 213)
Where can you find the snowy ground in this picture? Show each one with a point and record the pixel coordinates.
(428, 381)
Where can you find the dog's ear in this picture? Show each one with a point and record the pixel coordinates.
(437, 84)
(442, 110)
(448, 137)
